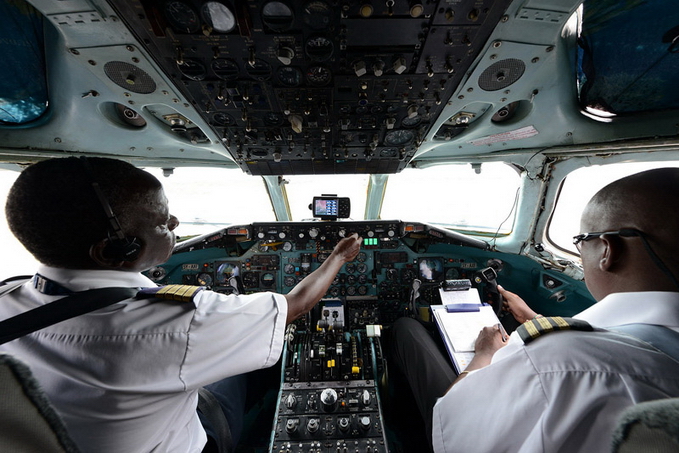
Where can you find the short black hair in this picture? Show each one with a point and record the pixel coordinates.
(54, 211)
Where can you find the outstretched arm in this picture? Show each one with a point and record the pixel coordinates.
(309, 291)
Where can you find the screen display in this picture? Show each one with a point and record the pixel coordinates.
(326, 207)
(224, 271)
(431, 269)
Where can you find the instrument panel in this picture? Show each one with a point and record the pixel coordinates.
(400, 264)
(313, 87)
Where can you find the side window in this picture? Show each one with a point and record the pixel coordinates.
(578, 187)
(23, 81)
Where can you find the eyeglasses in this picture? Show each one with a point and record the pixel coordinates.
(623, 232)
(627, 233)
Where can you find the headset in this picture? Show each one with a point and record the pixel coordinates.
(119, 247)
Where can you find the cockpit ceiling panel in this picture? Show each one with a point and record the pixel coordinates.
(629, 56)
(315, 87)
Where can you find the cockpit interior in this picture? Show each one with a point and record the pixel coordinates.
(460, 139)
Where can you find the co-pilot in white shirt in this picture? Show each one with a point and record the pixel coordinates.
(561, 393)
(125, 378)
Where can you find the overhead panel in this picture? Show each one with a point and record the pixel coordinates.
(315, 87)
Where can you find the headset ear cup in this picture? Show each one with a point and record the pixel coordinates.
(127, 249)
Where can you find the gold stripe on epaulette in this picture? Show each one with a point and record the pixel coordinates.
(530, 330)
(180, 293)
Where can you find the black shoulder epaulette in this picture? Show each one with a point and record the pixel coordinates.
(530, 330)
(179, 293)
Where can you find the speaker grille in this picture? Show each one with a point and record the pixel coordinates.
(501, 74)
(130, 77)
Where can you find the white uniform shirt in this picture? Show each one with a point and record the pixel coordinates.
(563, 392)
(125, 378)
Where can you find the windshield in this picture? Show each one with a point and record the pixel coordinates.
(577, 189)
(207, 199)
(457, 196)
(302, 188)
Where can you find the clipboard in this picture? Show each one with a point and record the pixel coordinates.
(459, 328)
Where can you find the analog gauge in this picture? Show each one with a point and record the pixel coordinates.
(362, 257)
(289, 268)
(350, 268)
(407, 275)
(321, 257)
(250, 280)
(362, 290)
(218, 16)
(277, 16)
(452, 274)
(351, 291)
(289, 281)
(274, 119)
(317, 15)
(362, 279)
(192, 69)
(157, 273)
(225, 68)
(334, 291)
(260, 70)
(263, 247)
(181, 17)
(362, 268)
(318, 76)
(375, 109)
(313, 233)
(268, 280)
(287, 246)
(319, 48)
(290, 76)
(388, 152)
(351, 279)
(399, 137)
(411, 122)
(361, 109)
(204, 279)
(222, 119)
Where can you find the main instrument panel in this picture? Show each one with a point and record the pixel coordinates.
(400, 265)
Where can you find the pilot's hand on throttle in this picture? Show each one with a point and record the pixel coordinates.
(489, 341)
(516, 306)
(348, 248)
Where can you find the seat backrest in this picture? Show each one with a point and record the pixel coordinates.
(649, 427)
(28, 422)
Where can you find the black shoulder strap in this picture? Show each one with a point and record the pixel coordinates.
(61, 310)
(660, 337)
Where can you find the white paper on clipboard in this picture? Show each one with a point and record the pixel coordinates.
(459, 331)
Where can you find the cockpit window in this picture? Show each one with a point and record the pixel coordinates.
(628, 56)
(207, 199)
(576, 191)
(23, 83)
(460, 196)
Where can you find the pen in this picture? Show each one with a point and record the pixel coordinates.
(503, 332)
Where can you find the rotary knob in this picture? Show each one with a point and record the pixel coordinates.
(365, 398)
(344, 424)
(329, 399)
(290, 401)
(312, 425)
(364, 422)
